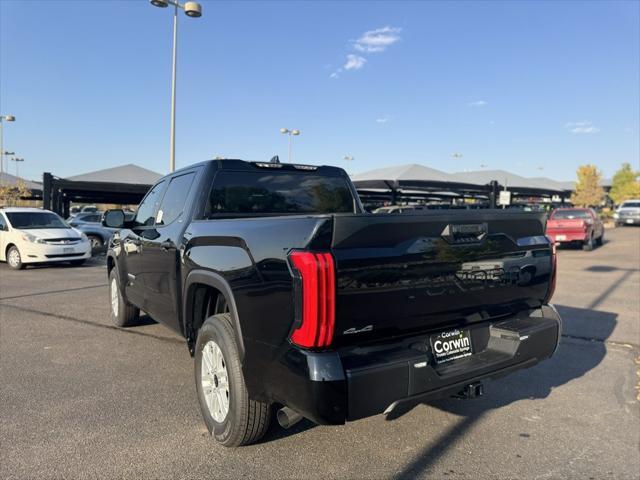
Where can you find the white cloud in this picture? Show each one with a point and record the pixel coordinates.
(378, 40)
(477, 103)
(372, 41)
(382, 119)
(354, 62)
(583, 126)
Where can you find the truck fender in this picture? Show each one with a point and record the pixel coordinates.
(214, 280)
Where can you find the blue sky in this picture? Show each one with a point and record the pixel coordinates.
(511, 85)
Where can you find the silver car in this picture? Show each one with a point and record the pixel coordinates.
(628, 213)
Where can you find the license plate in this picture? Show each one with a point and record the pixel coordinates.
(451, 345)
(561, 238)
(67, 250)
(629, 220)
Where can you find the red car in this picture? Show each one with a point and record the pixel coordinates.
(576, 226)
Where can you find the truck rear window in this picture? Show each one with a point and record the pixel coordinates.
(279, 193)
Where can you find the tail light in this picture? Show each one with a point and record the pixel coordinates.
(315, 302)
(554, 271)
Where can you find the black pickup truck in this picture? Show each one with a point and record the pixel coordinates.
(290, 296)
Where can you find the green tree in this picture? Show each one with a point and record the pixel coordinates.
(589, 191)
(625, 184)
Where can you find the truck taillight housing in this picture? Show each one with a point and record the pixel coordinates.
(554, 271)
(315, 287)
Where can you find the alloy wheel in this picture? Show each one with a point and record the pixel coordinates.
(215, 381)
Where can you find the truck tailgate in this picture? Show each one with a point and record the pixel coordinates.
(397, 274)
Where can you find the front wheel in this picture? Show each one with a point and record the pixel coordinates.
(14, 259)
(123, 314)
(231, 416)
(96, 242)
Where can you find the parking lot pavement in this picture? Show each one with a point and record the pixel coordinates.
(81, 399)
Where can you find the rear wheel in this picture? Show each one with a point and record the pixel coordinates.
(14, 259)
(600, 240)
(123, 314)
(232, 418)
(588, 244)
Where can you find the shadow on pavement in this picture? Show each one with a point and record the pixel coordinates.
(536, 383)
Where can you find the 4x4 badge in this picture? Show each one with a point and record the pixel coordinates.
(351, 330)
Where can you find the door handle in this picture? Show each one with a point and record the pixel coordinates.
(167, 245)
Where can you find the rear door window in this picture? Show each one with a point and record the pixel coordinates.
(175, 199)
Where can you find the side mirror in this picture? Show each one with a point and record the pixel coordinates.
(113, 219)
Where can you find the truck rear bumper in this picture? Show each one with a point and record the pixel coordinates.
(331, 388)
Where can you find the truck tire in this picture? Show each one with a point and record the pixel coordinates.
(123, 314)
(14, 259)
(232, 418)
(587, 246)
(600, 240)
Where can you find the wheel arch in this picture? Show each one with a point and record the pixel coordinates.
(197, 305)
(6, 250)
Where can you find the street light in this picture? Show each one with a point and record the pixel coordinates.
(17, 160)
(6, 154)
(286, 131)
(194, 10)
(3, 118)
(349, 159)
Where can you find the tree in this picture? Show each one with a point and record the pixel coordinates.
(12, 193)
(589, 192)
(625, 184)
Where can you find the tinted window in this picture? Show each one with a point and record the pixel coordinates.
(630, 205)
(266, 193)
(27, 220)
(3, 223)
(175, 198)
(146, 215)
(571, 214)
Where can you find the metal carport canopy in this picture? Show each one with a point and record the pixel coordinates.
(126, 184)
(414, 177)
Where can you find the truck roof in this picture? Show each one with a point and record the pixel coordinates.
(247, 165)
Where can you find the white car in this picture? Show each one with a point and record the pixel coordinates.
(33, 235)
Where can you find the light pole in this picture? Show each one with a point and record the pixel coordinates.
(3, 118)
(17, 160)
(6, 154)
(286, 131)
(194, 10)
(349, 159)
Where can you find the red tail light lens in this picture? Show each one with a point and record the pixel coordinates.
(316, 313)
(554, 271)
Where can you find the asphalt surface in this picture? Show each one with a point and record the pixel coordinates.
(82, 399)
